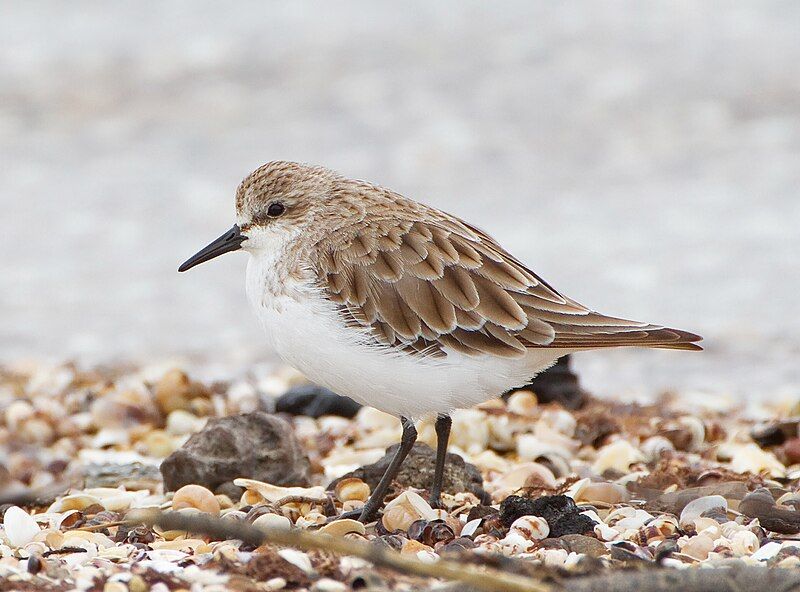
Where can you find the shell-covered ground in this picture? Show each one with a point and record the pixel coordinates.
(691, 480)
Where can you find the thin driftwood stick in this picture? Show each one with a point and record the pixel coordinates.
(477, 578)
(735, 578)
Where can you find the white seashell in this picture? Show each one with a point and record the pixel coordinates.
(413, 502)
(522, 403)
(233, 515)
(708, 527)
(341, 461)
(545, 441)
(328, 585)
(470, 430)
(609, 493)
(554, 557)
(310, 519)
(273, 584)
(767, 551)
(111, 586)
(167, 557)
(619, 456)
(34, 547)
(273, 493)
(119, 502)
(19, 526)
(515, 543)
(242, 398)
(502, 432)
(605, 533)
(631, 477)
(77, 501)
(381, 438)
(656, 530)
(369, 418)
(272, 522)
(698, 506)
(352, 489)
(744, 543)
(531, 527)
(334, 425)
(618, 514)
(297, 558)
(654, 446)
(697, 547)
(489, 460)
(342, 527)
(111, 437)
(730, 528)
(119, 553)
(634, 522)
(696, 428)
(560, 420)
(593, 515)
(576, 488)
(752, 458)
(184, 423)
(471, 527)
(195, 497)
(179, 544)
(17, 412)
(87, 540)
(525, 475)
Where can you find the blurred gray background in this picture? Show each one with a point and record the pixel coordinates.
(643, 157)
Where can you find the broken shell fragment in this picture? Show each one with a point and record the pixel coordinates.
(619, 456)
(77, 501)
(272, 521)
(744, 543)
(274, 493)
(697, 507)
(605, 492)
(343, 527)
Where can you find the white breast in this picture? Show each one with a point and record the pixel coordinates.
(307, 332)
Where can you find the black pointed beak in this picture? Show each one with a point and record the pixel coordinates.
(230, 241)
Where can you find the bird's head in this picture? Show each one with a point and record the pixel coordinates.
(279, 199)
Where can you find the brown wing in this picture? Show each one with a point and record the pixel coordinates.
(426, 286)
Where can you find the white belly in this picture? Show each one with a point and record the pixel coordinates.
(307, 332)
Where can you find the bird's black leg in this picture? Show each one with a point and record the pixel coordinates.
(406, 444)
(443, 423)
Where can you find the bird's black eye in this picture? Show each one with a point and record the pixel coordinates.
(275, 209)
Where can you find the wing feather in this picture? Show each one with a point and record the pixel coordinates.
(442, 285)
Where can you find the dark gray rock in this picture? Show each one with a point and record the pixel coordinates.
(253, 445)
(560, 511)
(315, 401)
(417, 471)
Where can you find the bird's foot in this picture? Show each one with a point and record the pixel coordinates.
(435, 502)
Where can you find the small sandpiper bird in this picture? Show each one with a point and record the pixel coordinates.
(399, 305)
